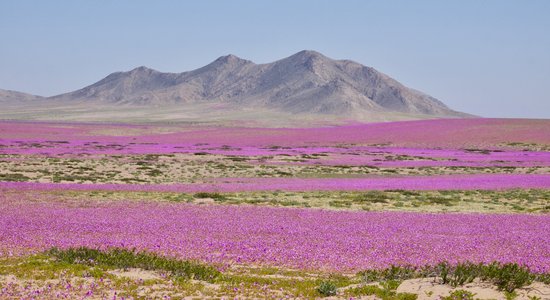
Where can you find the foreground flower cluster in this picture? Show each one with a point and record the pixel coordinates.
(298, 238)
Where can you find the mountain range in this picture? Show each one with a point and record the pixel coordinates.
(307, 83)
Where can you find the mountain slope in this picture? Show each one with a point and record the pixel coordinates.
(306, 82)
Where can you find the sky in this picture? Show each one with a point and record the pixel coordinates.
(490, 58)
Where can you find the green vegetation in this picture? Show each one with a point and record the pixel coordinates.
(122, 258)
(327, 288)
(14, 177)
(507, 277)
(215, 196)
(460, 295)
(505, 201)
(179, 278)
(386, 291)
(372, 197)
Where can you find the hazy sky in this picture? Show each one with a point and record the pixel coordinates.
(490, 58)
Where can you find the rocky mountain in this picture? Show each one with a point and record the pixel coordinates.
(306, 82)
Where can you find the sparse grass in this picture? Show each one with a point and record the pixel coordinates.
(505, 201)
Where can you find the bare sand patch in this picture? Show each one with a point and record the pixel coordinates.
(136, 274)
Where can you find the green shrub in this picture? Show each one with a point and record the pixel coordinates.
(13, 177)
(202, 153)
(339, 203)
(507, 277)
(215, 196)
(372, 197)
(327, 288)
(391, 273)
(463, 273)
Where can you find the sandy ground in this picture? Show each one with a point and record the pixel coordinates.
(427, 289)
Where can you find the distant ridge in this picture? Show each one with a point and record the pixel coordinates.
(305, 83)
(7, 96)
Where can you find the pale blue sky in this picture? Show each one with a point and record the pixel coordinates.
(490, 58)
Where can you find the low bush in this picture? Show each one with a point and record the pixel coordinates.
(327, 288)
(202, 153)
(507, 277)
(459, 274)
(215, 196)
(372, 197)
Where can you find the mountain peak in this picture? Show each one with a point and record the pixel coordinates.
(309, 60)
(230, 59)
(310, 55)
(142, 69)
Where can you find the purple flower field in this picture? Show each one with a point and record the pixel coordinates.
(297, 238)
(444, 182)
(443, 133)
(398, 144)
(349, 155)
(484, 154)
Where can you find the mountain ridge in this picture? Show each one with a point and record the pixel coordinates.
(9, 96)
(306, 82)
